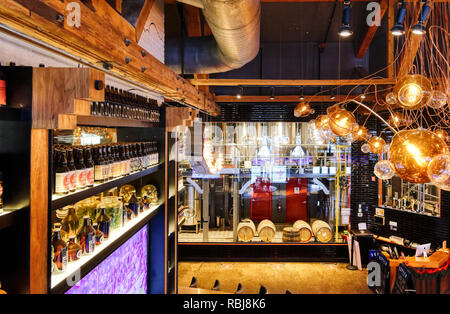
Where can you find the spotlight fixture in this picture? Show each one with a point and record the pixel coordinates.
(363, 96)
(419, 28)
(332, 96)
(272, 96)
(399, 27)
(240, 93)
(301, 95)
(346, 30)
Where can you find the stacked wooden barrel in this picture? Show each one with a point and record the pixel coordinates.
(266, 230)
(291, 234)
(322, 231)
(246, 230)
(304, 229)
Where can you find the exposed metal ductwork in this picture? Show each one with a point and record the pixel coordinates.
(235, 25)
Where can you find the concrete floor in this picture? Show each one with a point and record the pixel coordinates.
(313, 278)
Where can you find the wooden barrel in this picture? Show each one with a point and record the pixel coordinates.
(291, 234)
(246, 230)
(305, 230)
(322, 231)
(266, 230)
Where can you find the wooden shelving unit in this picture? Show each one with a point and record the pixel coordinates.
(59, 202)
(113, 122)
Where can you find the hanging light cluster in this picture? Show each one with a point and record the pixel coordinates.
(303, 109)
(416, 155)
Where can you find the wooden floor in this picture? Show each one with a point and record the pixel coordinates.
(313, 278)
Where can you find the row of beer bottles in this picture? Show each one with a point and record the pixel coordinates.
(79, 167)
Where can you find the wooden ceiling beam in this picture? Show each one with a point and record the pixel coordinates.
(370, 32)
(287, 98)
(142, 19)
(96, 41)
(270, 82)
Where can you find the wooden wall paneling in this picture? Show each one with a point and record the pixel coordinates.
(39, 211)
(150, 29)
(64, 91)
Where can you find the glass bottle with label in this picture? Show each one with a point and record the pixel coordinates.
(81, 172)
(71, 222)
(86, 236)
(89, 163)
(74, 250)
(108, 162)
(59, 251)
(72, 170)
(134, 205)
(99, 165)
(98, 235)
(104, 222)
(128, 158)
(62, 178)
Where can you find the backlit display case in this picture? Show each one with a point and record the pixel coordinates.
(262, 183)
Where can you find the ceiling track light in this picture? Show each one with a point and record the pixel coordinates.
(332, 96)
(301, 95)
(346, 30)
(399, 27)
(272, 96)
(419, 28)
(240, 93)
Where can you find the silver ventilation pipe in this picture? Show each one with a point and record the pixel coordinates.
(235, 25)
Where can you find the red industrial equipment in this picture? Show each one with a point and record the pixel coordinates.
(296, 199)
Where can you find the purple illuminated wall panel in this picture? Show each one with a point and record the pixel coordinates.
(123, 272)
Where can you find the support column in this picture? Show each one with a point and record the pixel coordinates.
(235, 208)
(205, 214)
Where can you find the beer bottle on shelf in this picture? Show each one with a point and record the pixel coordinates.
(87, 152)
(107, 156)
(72, 170)
(59, 252)
(86, 236)
(104, 223)
(70, 223)
(105, 168)
(133, 204)
(98, 234)
(81, 172)
(99, 163)
(74, 250)
(62, 177)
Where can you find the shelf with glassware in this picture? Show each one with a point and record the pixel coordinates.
(102, 174)
(78, 252)
(83, 171)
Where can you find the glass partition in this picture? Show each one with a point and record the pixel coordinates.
(262, 182)
(399, 194)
